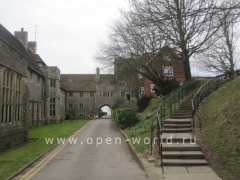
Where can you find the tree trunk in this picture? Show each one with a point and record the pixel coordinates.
(187, 70)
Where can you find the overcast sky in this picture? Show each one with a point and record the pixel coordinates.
(68, 30)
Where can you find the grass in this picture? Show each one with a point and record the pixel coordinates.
(221, 129)
(13, 161)
(142, 130)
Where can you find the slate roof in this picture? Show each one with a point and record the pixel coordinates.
(78, 82)
(84, 82)
(6, 36)
(36, 57)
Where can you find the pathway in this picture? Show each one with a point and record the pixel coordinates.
(100, 152)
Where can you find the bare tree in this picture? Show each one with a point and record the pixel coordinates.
(186, 24)
(220, 56)
(136, 48)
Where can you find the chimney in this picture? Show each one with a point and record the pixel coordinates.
(22, 36)
(97, 73)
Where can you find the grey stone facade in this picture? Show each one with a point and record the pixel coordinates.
(32, 93)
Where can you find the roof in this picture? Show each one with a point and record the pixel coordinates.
(36, 57)
(84, 82)
(78, 82)
(18, 46)
(32, 64)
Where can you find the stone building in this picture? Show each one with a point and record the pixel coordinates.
(14, 92)
(33, 93)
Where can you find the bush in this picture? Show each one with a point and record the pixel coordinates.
(167, 87)
(125, 117)
(143, 102)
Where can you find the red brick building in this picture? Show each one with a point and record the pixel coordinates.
(171, 68)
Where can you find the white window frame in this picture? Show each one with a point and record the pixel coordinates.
(142, 91)
(152, 87)
(168, 70)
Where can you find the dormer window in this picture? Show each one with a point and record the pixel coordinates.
(40, 64)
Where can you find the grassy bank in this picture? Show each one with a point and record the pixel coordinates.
(12, 161)
(220, 135)
(142, 131)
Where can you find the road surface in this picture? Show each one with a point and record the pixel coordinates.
(99, 153)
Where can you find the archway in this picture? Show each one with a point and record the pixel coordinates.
(105, 110)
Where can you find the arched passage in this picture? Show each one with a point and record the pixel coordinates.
(105, 110)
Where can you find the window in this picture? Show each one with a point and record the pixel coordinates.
(52, 83)
(53, 93)
(100, 94)
(107, 94)
(81, 115)
(38, 80)
(80, 106)
(7, 101)
(81, 94)
(122, 94)
(141, 91)
(70, 94)
(152, 87)
(91, 94)
(122, 83)
(31, 76)
(166, 57)
(18, 100)
(70, 106)
(40, 64)
(140, 75)
(52, 107)
(168, 70)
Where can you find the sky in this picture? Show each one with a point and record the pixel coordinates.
(68, 31)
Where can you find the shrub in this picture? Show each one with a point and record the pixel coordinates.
(125, 117)
(168, 85)
(143, 102)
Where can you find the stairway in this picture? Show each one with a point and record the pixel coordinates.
(178, 144)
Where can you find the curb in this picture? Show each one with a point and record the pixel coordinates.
(33, 161)
(134, 153)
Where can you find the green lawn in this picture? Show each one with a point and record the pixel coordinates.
(14, 160)
(221, 129)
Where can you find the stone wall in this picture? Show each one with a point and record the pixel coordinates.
(11, 59)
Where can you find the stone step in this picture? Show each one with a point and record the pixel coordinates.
(177, 125)
(178, 137)
(182, 154)
(180, 147)
(183, 111)
(185, 108)
(181, 114)
(180, 117)
(177, 121)
(193, 162)
(176, 130)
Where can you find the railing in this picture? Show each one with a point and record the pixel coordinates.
(167, 106)
(206, 89)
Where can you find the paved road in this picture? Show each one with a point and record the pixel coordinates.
(88, 159)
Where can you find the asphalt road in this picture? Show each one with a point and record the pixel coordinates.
(99, 153)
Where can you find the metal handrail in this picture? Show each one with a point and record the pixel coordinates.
(201, 94)
(170, 103)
